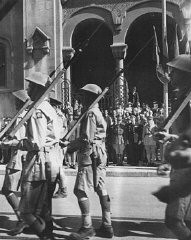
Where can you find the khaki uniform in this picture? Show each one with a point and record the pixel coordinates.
(91, 141)
(42, 162)
(15, 164)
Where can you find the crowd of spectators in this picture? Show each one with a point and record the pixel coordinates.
(130, 134)
(129, 139)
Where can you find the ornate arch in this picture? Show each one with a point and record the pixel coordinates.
(138, 10)
(92, 12)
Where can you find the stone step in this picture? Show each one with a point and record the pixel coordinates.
(113, 171)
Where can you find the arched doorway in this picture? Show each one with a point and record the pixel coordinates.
(96, 64)
(141, 72)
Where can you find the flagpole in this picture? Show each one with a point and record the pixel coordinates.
(164, 46)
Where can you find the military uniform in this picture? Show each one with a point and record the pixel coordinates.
(92, 160)
(178, 152)
(42, 164)
(14, 168)
(41, 144)
(118, 142)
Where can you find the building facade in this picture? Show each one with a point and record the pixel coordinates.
(107, 36)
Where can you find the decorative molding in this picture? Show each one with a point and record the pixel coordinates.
(119, 50)
(38, 41)
(67, 53)
(118, 10)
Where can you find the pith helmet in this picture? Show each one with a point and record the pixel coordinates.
(93, 88)
(182, 62)
(21, 94)
(38, 78)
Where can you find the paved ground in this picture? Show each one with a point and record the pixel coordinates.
(136, 213)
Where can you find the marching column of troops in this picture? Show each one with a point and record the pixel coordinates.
(38, 147)
(38, 143)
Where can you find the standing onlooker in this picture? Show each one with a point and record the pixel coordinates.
(148, 140)
(135, 97)
(118, 141)
(71, 157)
(62, 189)
(108, 141)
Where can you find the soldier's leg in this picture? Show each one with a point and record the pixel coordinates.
(86, 229)
(84, 205)
(179, 228)
(10, 185)
(106, 229)
(176, 212)
(33, 200)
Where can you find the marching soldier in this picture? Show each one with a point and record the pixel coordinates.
(41, 168)
(92, 160)
(178, 152)
(14, 167)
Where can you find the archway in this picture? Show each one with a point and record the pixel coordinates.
(141, 73)
(96, 64)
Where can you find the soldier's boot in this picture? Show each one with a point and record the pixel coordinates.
(86, 231)
(83, 233)
(106, 229)
(40, 229)
(20, 227)
(14, 202)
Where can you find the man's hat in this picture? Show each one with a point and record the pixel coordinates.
(54, 101)
(182, 62)
(39, 78)
(92, 88)
(21, 94)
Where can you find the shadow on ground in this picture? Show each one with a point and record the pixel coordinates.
(123, 227)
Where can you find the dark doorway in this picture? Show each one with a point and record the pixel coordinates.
(96, 64)
(141, 73)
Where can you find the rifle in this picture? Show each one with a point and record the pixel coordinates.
(68, 134)
(177, 110)
(2, 133)
(66, 137)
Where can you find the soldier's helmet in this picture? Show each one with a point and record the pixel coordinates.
(92, 88)
(182, 62)
(21, 95)
(39, 78)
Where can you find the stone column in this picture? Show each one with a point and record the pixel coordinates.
(119, 53)
(67, 53)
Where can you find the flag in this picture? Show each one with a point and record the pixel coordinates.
(185, 46)
(160, 70)
(164, 52)
(175, 43)
(156, 52)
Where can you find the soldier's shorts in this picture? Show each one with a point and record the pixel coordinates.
(11, 180)
(179, 209)
(84, 179)
(33, 198)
